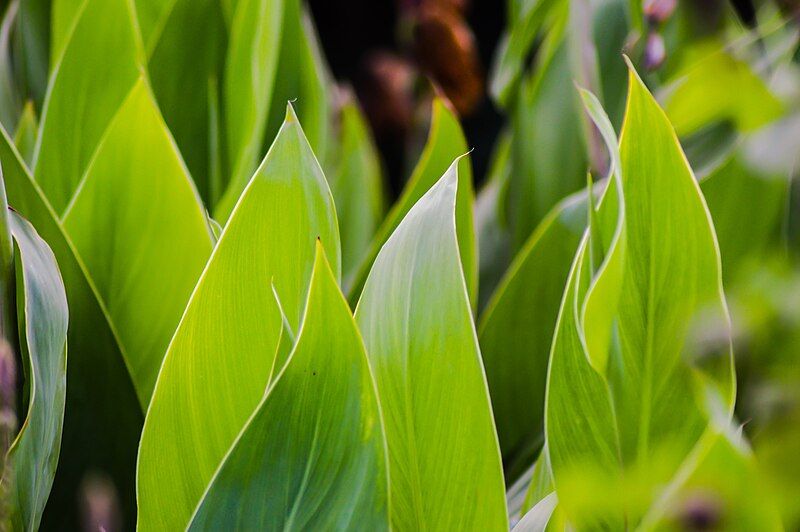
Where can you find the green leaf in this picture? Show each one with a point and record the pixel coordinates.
(185, 51)
(516, 344)
(42, 317)
(10, 99)
(702, 92)
(537, 518)
(313, 453)
(357, 187)
(25, 134)
(445, 142)
(250, 70)
(415, 317)
(548, 147)
(80, 104)
(32, 46)
(103, 418)
(220, 360)
(639, 404)
(272, 59)
(139, 226)
(63, 14)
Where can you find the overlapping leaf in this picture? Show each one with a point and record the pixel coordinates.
(103, 417)
(357, 188)
(415, 317)
(631, 394)
(81, 101)
(445, 142)
(221, 357)
(145, 267)
(42, 317)
(313, 453)
(516, 344)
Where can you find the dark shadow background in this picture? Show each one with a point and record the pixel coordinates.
(352, 30)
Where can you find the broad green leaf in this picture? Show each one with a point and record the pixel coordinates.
(272, 59)
(357, 188)
(25, 134)
(491, 234)
(250, 71)
(702, 92)
(637, 407)
(186, 50)
(313, 454)
(516, 344)
(221, 356)
(138, 225)
(42, 317)
(445, 143)
(548, 147)
(63, 14)
(415, 317)
(80, 102)
(32, 46)
(736, 191)
(103, 418)
(10, 100)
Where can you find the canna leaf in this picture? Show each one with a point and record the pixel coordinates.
(445, 142)
(42, 317)
(538, 517)
(357, 188)
(185, 42)
(10, 99)
(32, 43)
(25, 134)
(221, 356)
(272, 58)
(103, 418)
(643, 410)
(313, 453)
(250, 71)
(415, 317)
(516, 344)
(80, 103)
(157, 240)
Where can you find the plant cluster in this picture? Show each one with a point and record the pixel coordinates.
(210, 318)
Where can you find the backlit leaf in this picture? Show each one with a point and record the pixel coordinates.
(220, 360)
(415, 317)
(313, 453)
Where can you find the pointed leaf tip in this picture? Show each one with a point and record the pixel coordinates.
(291, 115)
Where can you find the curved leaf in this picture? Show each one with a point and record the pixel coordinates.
(220, 359)
(357, 188)
(80, 103)
(103, 418)
(137, 223)
(42, 318)
(313, 453)
(516, 343)
(637, 407)
(186, 52)
(415, 316)
(250, 70)
(445, 143)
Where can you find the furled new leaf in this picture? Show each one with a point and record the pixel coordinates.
(445, 142)
(42, 317)
(221, 357)
(313, 453)
(414, 314)
(25, 134)
(138, 225)
(81, 101)
(103, 418)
